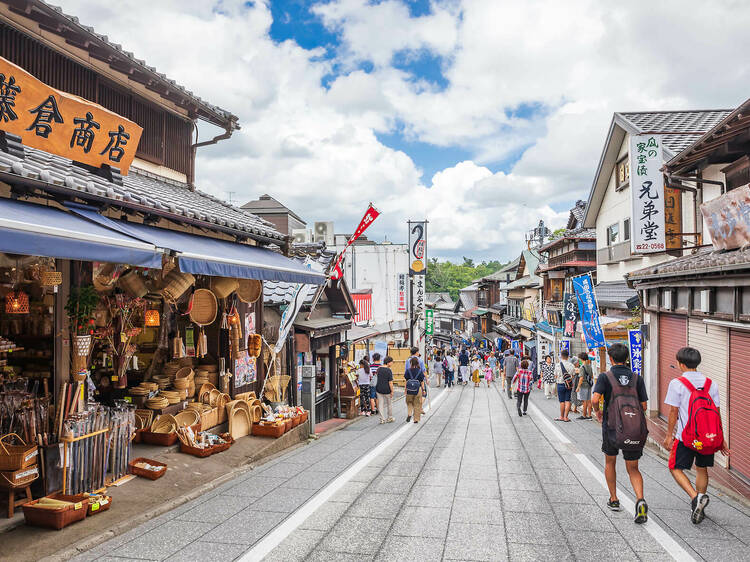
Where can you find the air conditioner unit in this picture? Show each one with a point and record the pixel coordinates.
(706, 301)
(301, 236)
(667, 299)
(324, 232)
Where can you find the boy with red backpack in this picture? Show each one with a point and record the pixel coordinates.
(693, 402)
(623, 425)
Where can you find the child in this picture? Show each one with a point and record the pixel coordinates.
(475, 366)
(488, 374)
(525, 377)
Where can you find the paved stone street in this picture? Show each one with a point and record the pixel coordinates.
(473, 481)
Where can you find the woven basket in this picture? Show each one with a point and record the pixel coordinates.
(81, 345)
(254, 345)
(213, 398)
(51, 278)
(186, 373)
(249, 290)
(205, 307)
(19, 478)
(176, 285)
(239, 423)
(181, 384)
(133, 284)
(187, 418)
(16, 457)
(204, 392)
(164, 424)
(224, 286)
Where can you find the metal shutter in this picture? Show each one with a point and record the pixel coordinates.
(739, 401)
(672, 336)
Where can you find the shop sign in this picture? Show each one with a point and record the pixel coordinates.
(564, 346)
(570, 314)
(402, 285)
(429, 323)
(553, 318)
(635, 342)
(64, 124)
(419, 295)
(646, 194)
(528, 314)
(673, 218)
(417, 248)
(728, 219)
(589, 311)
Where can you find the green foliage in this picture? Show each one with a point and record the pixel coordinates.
(445, 276)
(557, 232)
(81, 304)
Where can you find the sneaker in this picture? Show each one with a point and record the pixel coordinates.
(525, 414)
(382, 421)
(390, 420)
(641, 511)
(520, 414)
(699, 505)
(614, 505)
(408, 419)
(581, 418)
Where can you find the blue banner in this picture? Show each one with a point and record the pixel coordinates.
(635, 342)
(565, 346)
(589, 311)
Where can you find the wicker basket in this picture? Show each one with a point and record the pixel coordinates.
(55, 518)
(249, 290)
(176, 285)
(239, 423)
(150, 474)
(161, 439)
(269, 430)
(51, 278)
(205, 307)
(16, 457)
(254, 345)
(224, 286)
(133, 284)
(19, 478)
(187, 417)
(164, 424)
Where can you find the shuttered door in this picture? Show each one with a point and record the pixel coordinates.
(672, 336)
(739, 401)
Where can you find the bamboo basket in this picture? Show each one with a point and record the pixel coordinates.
(176, 285)
(187, 418)
(19, 478)
(224, 286)
(239, 423)
(16, 457)
(254, 345)
(55, 518)
(133, 284)
(150, 474)
(51, 278)
(249, 290)
(205, 307)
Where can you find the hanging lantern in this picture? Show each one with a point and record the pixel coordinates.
(17, 302)
(153, 318)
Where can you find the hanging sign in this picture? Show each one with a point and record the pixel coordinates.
(64, 124)
(370, 215)
(673, 218)
(429, 323)
(589, 311)
(635, 342)
(417, 248)
(402, 287)
(419, 295)
(647, 194)
(728, 219)
(299, 295)
(570, 315)
(564, 346)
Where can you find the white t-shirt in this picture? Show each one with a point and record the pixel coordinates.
(363, 377)
(679, 395)
(475, 365)
(451, 363)
(569, 368)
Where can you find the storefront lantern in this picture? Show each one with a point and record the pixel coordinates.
(17, 302)
(153, 318)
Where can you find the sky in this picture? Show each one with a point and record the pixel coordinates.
(481, 116)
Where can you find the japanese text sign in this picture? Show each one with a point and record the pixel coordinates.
(589, 311)
(564, 346)
(570, 315)
(673, 218)
(419, 295)
(646, 194)
(417, 247)
(64, 124)
(728, 219)
(429, 323)
(402, 298)
(635, 342)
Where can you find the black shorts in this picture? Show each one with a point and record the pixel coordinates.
(612, 451)
(682, 457)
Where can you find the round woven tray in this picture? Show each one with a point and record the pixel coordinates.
(224, 286)
(187, 417)
(164, 424)
(205, 307)
(249, 290)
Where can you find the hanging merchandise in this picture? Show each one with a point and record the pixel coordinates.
(190, 341)
(17, 302)
(152, 318)
(119, 334)
(254, 345)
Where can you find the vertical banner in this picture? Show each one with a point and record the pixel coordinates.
(417, 248)
(647, 194)
(570, 315)
(403, 281)
(370, 215)
(673, 218)
(419, 296)
(589, 311)
(564, 346)
(635, 342)
(429, 322)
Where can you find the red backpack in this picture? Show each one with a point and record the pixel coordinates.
(702, 432)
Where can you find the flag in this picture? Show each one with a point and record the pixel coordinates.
(370, 215)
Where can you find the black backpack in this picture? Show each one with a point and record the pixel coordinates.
(626, 421)
(413, 385)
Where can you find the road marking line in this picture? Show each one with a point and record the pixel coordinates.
(670, 545)
(275, 537)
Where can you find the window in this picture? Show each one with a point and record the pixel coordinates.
(622, 173)
(613, 234)
(626, 229)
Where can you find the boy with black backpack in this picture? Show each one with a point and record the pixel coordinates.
(623, 425)
(694, 409)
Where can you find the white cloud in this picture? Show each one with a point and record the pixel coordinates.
(316, 149)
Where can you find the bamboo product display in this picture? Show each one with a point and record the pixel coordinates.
(239, 423)
(15, 457)
(164, 424)
(203, 444)
(205, 307)
(176, 284)
(157, 403)
(187, 418)
(172, 396)
(224, 286)
(53, 513)
(249, 290)
(133, 284)
(147, 468)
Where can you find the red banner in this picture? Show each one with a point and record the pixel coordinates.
(370, 215)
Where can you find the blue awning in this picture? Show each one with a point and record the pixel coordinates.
(209, 256)
(38, 230)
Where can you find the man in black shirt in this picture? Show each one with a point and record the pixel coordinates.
(384, 390)
(619, 354)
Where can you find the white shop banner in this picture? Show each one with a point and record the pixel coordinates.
(646, 194)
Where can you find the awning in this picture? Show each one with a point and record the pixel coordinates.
(322, 326)
(38, 230)
(358, 333)
(480, 311)
(209, 256)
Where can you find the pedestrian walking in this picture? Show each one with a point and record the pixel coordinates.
(564, 372)
(476, 365)
(492, 362)
(414, 378)
(548, 377)
(585, 383)
(363, 380)
(437, 368)
(523, 378)
(693, 402)
(374, 366)
(575, 402)
(384, 389)
(623, 425)
(450, 368)
(510, 367)
(463, 366)
(488, 374)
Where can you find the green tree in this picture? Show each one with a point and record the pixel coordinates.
(446, 276)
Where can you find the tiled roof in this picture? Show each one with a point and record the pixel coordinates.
(706, 260)
(279, 292)
(141, 64)
(573, 234)
(525, 281)
(138, 187)
(614, 293)
(680, 128)
(501, 273)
